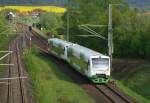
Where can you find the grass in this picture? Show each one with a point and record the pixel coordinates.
(50, 85)
(135, 81)
(43, 35)
(4, 42)
(31, 8)
(132, 93)
(27, 20)
(5, 38)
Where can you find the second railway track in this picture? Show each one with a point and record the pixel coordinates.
(16, 86)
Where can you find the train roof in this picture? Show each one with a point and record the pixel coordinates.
(88, 52)
(78, 48)
(65, 43)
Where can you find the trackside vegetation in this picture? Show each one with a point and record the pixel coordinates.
(49, 84)
(51, 22)
(6, 34)
(133, 78)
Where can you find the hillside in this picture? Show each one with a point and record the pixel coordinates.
(33, 2)
(133, 78)
(134, 3)
(139, 3)
(143, 4)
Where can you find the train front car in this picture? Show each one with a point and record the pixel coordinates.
(90, 63)
(100, 69)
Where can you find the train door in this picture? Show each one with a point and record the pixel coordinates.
(65, 52)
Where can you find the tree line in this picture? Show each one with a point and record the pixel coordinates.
(130, 27)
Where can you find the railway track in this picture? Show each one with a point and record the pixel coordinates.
(20, 74)
(32, 38)
(100, 93)
(16, 86)
(9, 76)
(112, 94)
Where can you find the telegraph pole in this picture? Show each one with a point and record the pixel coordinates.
(110, 34)
(68, 21)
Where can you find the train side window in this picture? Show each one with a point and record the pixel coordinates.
(64, 49)
(88, 63)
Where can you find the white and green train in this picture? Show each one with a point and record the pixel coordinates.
(92, 64)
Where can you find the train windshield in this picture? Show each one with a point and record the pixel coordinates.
(100, 63)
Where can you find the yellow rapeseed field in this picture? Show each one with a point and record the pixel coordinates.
(31, 8)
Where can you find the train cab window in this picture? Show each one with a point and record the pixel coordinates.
(100, 63)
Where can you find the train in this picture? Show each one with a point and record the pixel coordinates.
(94, 65)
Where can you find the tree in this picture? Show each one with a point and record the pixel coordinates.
(51, 22)
(88, 12)
(130, 27)
(3, 24)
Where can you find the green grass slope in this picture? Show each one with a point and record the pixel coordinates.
(4, 42)
(50, 85)
(134, 78)
(6, 34)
